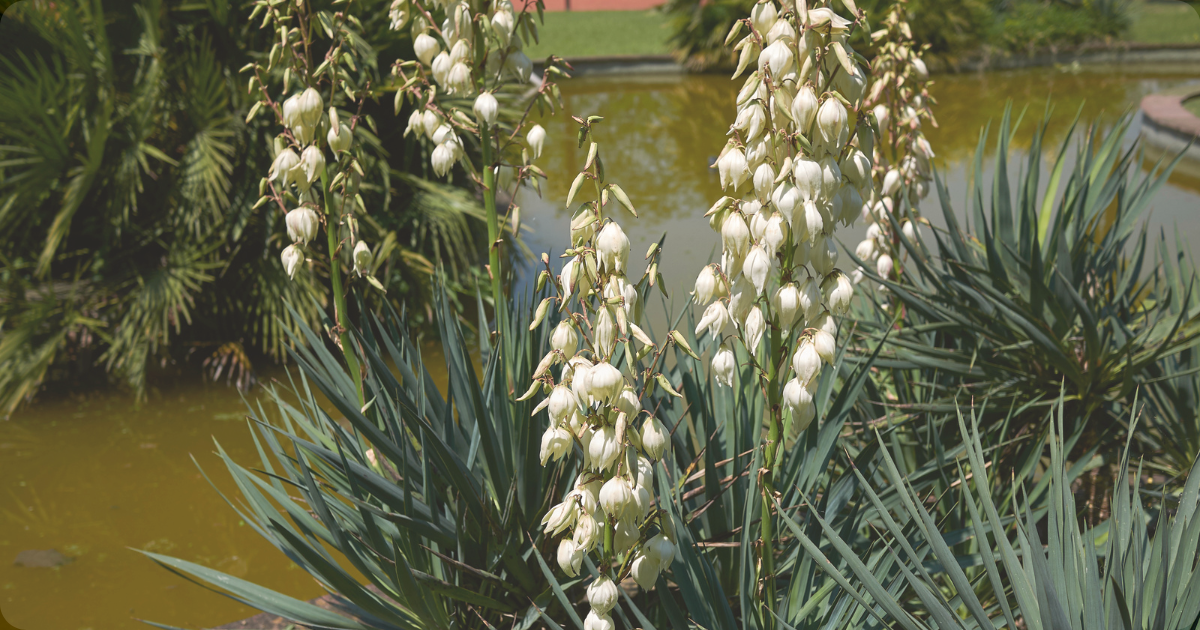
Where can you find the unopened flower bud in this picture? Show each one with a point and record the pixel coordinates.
(362, 258)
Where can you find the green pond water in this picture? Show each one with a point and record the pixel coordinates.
(95, 475)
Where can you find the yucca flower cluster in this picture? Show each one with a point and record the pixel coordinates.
(313, 84)
(595, 404)
(798, 162)
(796, 158)
(471, 64)
(903, 173)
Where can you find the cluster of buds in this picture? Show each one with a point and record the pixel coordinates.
(798, 160)
(471, 58)
(903, 173)
(299, 181)
(595, 405)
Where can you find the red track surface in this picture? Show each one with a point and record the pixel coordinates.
(599, 5)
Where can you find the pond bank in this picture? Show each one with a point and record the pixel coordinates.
(1124, 53)
(1171, 128)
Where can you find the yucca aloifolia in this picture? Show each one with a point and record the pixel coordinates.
(903, 172)
(596, 402)
(799, 163)
(471, 68)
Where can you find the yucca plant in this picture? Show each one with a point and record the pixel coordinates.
(1040, 289)
(1137, 569)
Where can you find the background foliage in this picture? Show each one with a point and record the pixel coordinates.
(127, 231)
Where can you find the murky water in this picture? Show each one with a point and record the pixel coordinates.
(95, 476)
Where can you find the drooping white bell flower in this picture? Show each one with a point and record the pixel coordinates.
(831, 178)
(806, 362)
(613, 247)
(786, 304)
(799, 401)
(824, 256)
(602, 594)
(605, 332)
(707, 284)
(825, 344)
(312, 163)
(804, 108)
(764, 182)
(626, 532)
(755, 325)
(763, 17)
(724, 364)
(520, 66)
(824, 20)
(561, 403)
(588, 527)
(757, 268)
(556, 442)
(774, 235)
(340, 141)
(282, 168)
(660, 550)
(810, 298)
(570, 557)
(891, 182)
(645, 571)
(559, 518)
(362, 258)
(856, 166)
(502, 24)
(628, 402)
(605, 382)
(714, 319)
(733, 168)
(442, 159)
(909, 229)
(604, 449)
(838, 291)
(565, 339)
(751, 120)
(735, 236)
(741, 298)
(309, 108)
(809, 178)
(777, 56)
(824, 322)
(883, 266)
(292, 257)
(594, 621)
(814, 222)
(615, 497)
(656, 440)
(831, 121)
(919, 68)
(426, 48)
(486, 108)
(881, 115)
(866, 249)
(302, 225)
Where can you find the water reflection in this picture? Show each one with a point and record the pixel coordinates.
(660, 133)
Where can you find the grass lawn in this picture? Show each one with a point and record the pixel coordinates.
(1193, 105)
(1164, 23)
(591, 33)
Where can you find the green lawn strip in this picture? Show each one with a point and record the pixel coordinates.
(599, 33)
(1193, 105)
(1163, 23)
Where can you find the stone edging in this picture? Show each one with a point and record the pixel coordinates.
(1170, 128)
